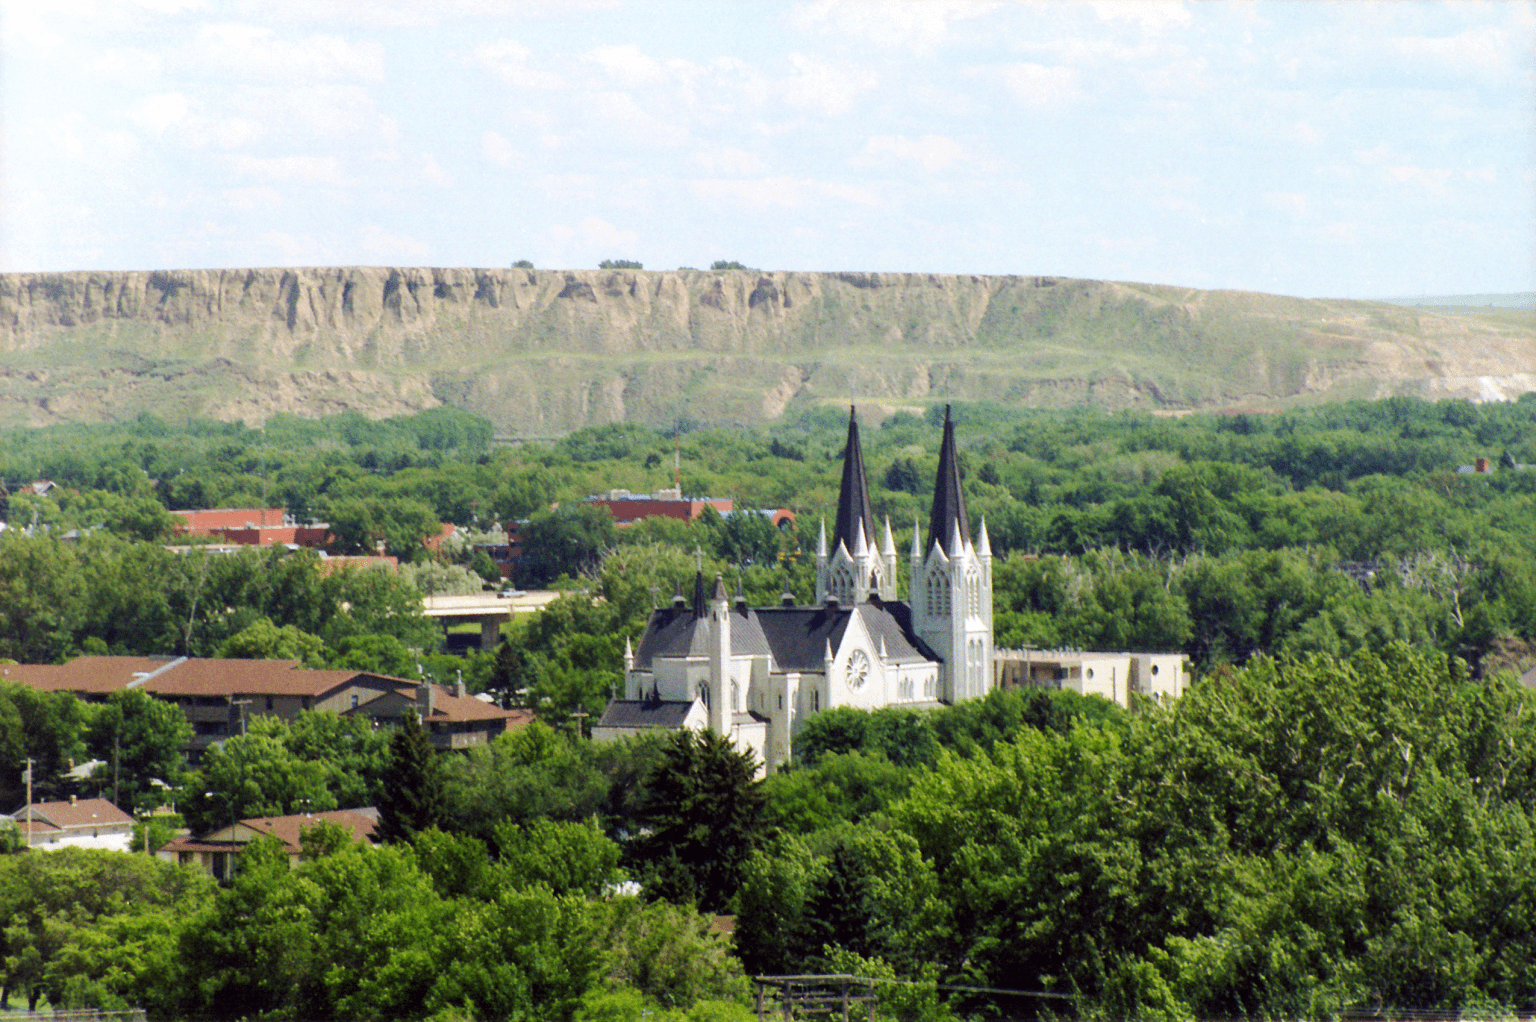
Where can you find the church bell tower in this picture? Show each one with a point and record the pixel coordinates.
(855, 566)
(951, 584)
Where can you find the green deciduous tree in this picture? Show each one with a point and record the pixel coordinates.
(140, 738)
(257, 774)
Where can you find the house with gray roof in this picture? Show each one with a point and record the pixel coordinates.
(757, 674)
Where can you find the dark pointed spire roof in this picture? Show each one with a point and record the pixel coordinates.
(948, 496)
(853, 498)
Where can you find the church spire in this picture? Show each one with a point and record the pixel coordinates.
(949, 520)
(853, 513)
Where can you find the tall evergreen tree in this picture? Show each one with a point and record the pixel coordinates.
(413, 784)
(704, 807)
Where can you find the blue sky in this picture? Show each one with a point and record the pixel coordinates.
(1316, 149)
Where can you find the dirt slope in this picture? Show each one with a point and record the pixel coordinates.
(542, 352)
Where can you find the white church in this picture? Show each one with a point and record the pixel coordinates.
(757, 673)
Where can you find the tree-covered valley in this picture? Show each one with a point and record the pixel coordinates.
(1339, 816)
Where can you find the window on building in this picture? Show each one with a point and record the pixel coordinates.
(269, 704)
(354, 701)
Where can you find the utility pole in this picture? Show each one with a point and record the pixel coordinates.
(29, 801)
(241, 704)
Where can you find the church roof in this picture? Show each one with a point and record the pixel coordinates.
(853, 497)
(678, 632)
(948, 496)
(795, 637)
(646, 713)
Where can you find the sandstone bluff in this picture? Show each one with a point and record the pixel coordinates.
(542, 352)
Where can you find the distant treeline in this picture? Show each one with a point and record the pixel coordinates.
(1329, 529)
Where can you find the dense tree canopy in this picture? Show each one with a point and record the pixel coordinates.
(1338, 816)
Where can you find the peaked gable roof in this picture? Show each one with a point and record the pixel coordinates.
(358, 823)
(948, 496)
(796, 638)
(676, 631)
(853, 497)
(81, 813)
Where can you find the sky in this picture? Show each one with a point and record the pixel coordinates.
(1309, 148)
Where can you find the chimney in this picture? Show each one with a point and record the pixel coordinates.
(74, 799)
(426, 700)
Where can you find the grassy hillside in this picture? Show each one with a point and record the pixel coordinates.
(544, 352)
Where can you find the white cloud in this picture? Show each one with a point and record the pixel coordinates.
(321, 115)
(1038, 86)
(128, 64)
(1148, 15)
(1293, 203)
(158, 112)
(627, 119)
(261, 199)
(784, 192)
(1342, 232)
(282, 248)
(1177, 77)
(511, 62)
(1484, 51)
(1432, 181)
(305, 170)
(495, 148)
(594, 234)
(724, 159)
(1303, 133)
(933, 153)
(628, 65)
(433, 173)
(1376, 154)
(255, 52)
(382, 247)
(917, 27)
(823, 89)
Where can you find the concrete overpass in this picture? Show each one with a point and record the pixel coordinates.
(489, 609)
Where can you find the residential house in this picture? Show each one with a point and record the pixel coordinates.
(78, 823)
(220, 697)
(217, 853)
(453, 719)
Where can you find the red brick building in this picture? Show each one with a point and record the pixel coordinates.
(628, 508)
(253, 526)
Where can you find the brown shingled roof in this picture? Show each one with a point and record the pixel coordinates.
(184, 676)
(87, 812)
(447, 707)
(95, 674)
(358, 823)
(203, 677)
(289, 829)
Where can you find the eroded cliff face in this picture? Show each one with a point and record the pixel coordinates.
(542, 352)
